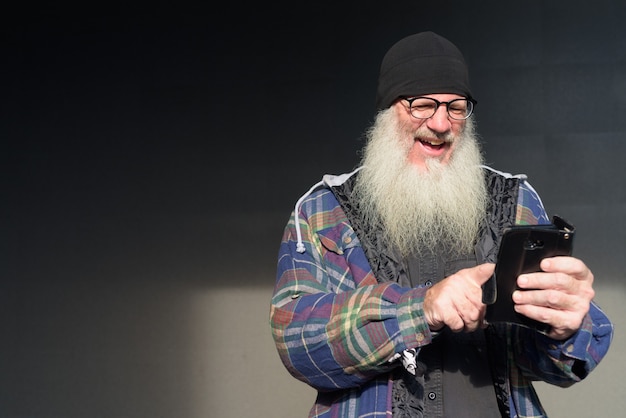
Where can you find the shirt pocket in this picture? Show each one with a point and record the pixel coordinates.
(339, 238)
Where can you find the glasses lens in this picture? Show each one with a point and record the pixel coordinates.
(423, 107)
(460, 109)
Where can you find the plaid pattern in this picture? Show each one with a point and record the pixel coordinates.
(530, 209)
(344, 351)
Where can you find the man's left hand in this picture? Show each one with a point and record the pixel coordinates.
(559, 295)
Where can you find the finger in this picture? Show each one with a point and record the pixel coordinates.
(472, 314)
(568, 265)
(538, 313)
(562, 323)
(545, 298)
(455, 324)
(558, 281)
(459, 317)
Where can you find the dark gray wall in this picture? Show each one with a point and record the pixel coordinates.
(151, 157)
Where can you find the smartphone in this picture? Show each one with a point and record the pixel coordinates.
(521, 250)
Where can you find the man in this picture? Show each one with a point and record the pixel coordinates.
(378, 299)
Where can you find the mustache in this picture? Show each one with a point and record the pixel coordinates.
(426, 132)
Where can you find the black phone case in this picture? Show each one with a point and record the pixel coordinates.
(521, 250)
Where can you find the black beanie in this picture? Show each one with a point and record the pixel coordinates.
(423, 63)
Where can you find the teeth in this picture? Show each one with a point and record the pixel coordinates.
(435, 142)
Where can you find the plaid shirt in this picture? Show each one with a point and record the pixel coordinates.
(336, 328)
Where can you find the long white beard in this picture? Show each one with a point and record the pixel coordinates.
(421, 209)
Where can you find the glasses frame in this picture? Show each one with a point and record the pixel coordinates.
(471, 104)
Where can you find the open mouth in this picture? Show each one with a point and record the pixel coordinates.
(433, 143)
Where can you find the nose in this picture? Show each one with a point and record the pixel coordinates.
(439, 122)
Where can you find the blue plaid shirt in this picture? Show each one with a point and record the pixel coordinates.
(344, 352)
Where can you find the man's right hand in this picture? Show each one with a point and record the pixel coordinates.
(456, 301)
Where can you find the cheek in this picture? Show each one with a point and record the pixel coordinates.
(457, 128)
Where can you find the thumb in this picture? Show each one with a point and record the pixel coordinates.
(485, 271)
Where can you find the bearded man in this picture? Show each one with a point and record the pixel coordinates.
(378, 298)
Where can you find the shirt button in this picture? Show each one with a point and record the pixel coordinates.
(347, 240)
(428, 283)
(432, 396)
(419, 337)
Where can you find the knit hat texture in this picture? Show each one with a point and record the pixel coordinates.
(423, 63)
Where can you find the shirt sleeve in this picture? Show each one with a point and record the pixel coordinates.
(333, 324)
(563, 363)
(530, 209)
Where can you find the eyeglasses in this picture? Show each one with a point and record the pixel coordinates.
(425, 107)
